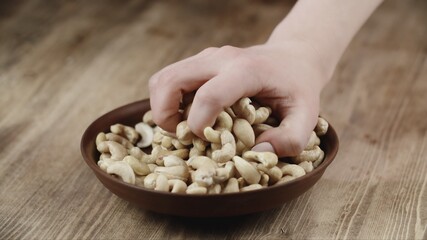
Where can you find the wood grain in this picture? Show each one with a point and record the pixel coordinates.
(64, 63)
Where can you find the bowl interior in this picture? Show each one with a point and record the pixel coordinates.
(218, 205)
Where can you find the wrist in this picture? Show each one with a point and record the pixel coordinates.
(305, 51)
(320, 53)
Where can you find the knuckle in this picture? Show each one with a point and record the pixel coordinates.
(246, 62)
(163, 78)
(206, 97)
(157, 81)
(208, 50)
(231, 51)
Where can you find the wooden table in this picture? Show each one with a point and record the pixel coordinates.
(64, 63)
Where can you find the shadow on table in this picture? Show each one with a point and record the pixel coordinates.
(248, 224)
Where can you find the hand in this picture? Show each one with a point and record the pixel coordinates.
(288, 78)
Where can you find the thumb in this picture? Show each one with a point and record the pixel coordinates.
(291, 136)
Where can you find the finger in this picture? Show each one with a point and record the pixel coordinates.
(291, 136)
(168, 86)
(216, 94)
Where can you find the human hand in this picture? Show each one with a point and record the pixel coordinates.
(286, 77)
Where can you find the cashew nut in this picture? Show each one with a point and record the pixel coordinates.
(194, 188)
(184, 134)
(268, 159)
(241, 181)
(313, 141)
(244, 132)
(177, 186)
(166, 142)
(228, 149)
(261, 115)
(244, 109)
(150, 180)
(139, 181)
(100, 138)
(216, 146)
(119, 139)
(274, 173)
(152, 167)
(104, 156)
(224, 173)
(208, 152)
(137, 153)
(264, 180)
(173, 172)
(199, 144)
(138, 167)
(195, 152)
(214, 189)
(307, 166)
(104, 163)
(162, 183)
(224, 122)
(251, 187)
(309, 155)
(205, 170)
(241, 148)
(321, 127)
(148, 118)
(319, 160)
(165, 133)
(232, 186)
(177, 144)
(199, 147)
(147, 134)
(123, 170)
(246, 170)
(117, 151)
(158, 153)
(285, 179)
(230, 112)
(172, 160)
(129, 132)
(293, 170)
(157, 137)
(213, 136)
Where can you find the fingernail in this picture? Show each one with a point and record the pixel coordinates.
(263, 147)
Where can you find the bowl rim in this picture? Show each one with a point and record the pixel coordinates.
(91, 162)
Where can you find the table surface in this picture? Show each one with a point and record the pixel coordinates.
(64, 63)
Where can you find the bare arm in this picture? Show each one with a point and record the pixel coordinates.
(327, 25)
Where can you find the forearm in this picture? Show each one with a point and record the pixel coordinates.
(327, 26)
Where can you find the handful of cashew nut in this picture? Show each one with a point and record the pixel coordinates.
(149, 157)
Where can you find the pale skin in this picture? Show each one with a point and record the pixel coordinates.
(287, 73)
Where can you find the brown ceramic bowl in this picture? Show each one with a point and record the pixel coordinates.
(220, 205)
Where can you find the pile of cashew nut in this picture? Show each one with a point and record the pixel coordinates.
(147, 156)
